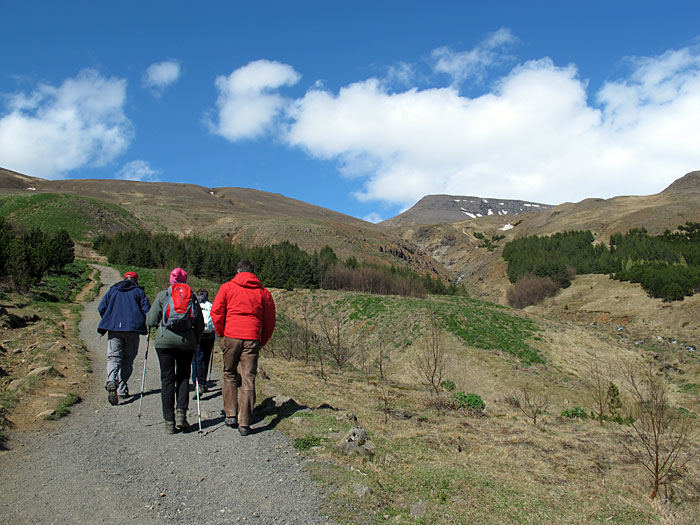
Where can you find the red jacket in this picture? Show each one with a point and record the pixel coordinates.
(243, 309)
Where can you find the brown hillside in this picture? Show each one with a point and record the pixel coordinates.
(241, 215)
(455, 246)
(689, 182)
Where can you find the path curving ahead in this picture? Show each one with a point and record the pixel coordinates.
(103, 465)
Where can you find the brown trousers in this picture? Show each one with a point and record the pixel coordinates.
(240, 404)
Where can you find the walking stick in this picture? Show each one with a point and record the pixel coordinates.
(211, 362)
(143, 378)
(199, 414)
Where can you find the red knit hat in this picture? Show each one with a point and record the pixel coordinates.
(132, 275)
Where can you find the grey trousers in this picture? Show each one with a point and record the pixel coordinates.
(122, 348)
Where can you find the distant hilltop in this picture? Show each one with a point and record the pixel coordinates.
(434, 209)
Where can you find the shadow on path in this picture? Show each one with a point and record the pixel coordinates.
(268, 407)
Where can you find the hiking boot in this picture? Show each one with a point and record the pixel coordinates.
(181, 419)
(244, 431)
(112, 396)
(170, 427)
(231, 422)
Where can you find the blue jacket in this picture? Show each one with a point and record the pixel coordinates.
(124, 308)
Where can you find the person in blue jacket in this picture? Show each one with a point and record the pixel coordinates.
(123, 310)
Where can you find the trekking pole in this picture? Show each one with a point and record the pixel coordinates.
(199, 414)
(211, 362)
(143, 378)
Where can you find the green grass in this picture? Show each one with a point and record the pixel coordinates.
(9, 399)
(80, 216)
(477, 323)
(63, 408)
(410, 471)
(407, 471)
(690, 388)
(63, 286)
(306, 442)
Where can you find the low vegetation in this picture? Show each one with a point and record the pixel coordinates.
(471, 450)
(80, 216)
(40, 351)
(25, 258)
(667, 266)
(63, 408)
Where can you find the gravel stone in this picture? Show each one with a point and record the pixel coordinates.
(105, 464)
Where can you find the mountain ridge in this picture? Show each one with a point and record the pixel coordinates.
(437, 208)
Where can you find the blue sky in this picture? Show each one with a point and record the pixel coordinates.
(360, 107)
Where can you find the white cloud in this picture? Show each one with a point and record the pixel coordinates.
(534, 136)
(401, 73)
(464, 65)
(138, 170)
(373, 217)
(160, 75)
(54, 130)
(247, 104)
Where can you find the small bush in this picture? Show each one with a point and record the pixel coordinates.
(620, 419)
(470, 401)
(512, 400)
(530, 289)
(441, 403)
(575, 413)
(448, 385)
(307, 442)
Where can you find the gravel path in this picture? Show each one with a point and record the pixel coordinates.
(103, 464)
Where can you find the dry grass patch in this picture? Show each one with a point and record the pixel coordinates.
(496, 468)
(434, 464)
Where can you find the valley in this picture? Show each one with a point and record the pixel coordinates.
(434, 460)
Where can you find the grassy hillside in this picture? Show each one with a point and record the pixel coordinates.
(82, 217)
(241, 215)
(435, 463)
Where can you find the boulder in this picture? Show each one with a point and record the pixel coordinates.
(45, 414)
(356, 442)
(44, 371)
(361, 491)
(15, 384)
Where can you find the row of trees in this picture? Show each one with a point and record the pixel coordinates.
(667, 265)
(25, 258)
(281, 265)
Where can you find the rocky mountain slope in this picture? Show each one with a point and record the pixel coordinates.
(457, 245)
(434, 209)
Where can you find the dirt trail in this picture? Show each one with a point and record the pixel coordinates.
(103, 464)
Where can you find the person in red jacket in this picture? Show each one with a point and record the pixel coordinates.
(244, 318)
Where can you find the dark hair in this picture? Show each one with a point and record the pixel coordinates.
(202, 295)
(244, 265)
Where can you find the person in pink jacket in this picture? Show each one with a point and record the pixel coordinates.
(244, 318)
